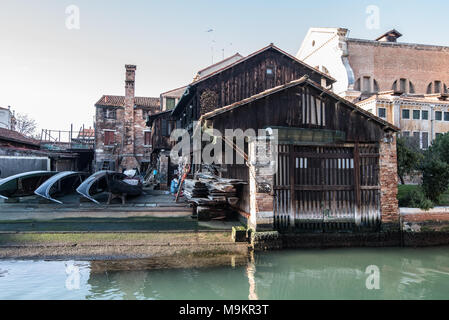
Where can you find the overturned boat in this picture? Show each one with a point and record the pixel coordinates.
(60, 184)
(109, 181)
(23, 184)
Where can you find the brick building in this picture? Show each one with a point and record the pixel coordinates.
(122, 140)
(364, 67)
(421, 117)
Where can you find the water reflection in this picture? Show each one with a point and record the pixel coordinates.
(309, 274)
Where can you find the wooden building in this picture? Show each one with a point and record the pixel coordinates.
(335, 163)
(259, 71)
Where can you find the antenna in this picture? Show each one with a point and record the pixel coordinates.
(212, 43)
(223, 50)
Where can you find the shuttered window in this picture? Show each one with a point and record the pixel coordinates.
(147, 138)
(109, 138)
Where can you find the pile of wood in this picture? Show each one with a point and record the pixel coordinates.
(211, 195)
(195, 189)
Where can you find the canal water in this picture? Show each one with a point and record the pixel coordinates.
(383, 273)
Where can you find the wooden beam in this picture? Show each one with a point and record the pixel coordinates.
(357, 176)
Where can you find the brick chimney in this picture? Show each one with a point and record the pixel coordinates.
(128, 158)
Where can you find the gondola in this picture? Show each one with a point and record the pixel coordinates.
(23, 184)
(60, 184)
(109, 181)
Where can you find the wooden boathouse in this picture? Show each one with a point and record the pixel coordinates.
(334, 163)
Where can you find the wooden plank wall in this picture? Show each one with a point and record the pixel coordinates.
(327, 188)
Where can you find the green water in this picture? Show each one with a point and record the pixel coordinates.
(301, 274)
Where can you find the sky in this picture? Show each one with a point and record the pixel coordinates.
(54, 69)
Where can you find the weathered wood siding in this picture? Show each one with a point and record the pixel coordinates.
(292, 108)
(245, 80)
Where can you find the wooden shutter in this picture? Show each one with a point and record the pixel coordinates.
(164, 127)
(147, 138)
(109, 137)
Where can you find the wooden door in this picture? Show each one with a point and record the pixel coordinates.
(327, 188)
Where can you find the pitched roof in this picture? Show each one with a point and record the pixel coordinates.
(270, 46)
(305, 79)
(217, 66)
(392, 33)
(14, 136)
(174, 93)
(119, 101)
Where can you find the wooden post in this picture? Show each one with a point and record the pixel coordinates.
(357, 176)
(292, 187)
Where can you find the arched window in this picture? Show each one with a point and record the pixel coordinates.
(436, 86)
(403, 85)
(357, 85)
(366, 84)
(376, 86)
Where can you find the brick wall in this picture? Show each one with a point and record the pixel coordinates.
(388, 62)
(389, 183)
(261, 185)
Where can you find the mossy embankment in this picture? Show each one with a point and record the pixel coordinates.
(117, 245)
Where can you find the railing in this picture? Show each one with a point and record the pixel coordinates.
(64, 140)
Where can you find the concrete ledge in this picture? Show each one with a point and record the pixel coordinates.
(436, 210)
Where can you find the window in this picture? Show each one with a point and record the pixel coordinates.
(406, 134)
(425, 115)
(446, 116)
(164, 128)
(109, 113)
(357, 85)
(425, 140)
(366, 84)
(416, 114)
(270, 71)
(415, 140)
(403, 86)
(109, 137)
(147, 138)
(405, 114)
(438, 115)
(170, 103)
(313, 111)
(382, 112)
(436, 86)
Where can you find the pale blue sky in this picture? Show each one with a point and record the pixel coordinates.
(56, 75)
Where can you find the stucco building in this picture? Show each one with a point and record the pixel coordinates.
(363, 67)
(7, 119)
(421, 117)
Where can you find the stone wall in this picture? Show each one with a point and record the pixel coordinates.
(388, 184)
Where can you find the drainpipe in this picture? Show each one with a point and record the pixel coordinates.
(432, 123)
